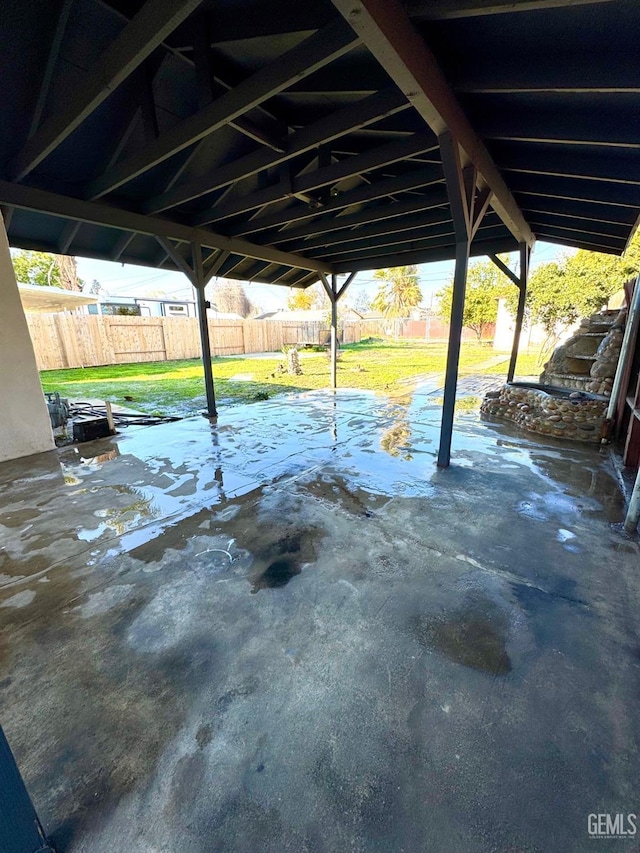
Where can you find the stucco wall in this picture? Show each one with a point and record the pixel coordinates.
(25, 427)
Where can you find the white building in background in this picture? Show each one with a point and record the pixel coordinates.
(53, 300)
(146, 306)
(532, 336)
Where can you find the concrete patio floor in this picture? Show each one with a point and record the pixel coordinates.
(291, 632)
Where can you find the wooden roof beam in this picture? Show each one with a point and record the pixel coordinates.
(346, 120)
(417, 204)
(425, 255)
(445, 10)
(308, 182)
(41, 201)
(385, 29)
(426, 176)
(308, 56)
(138, 39)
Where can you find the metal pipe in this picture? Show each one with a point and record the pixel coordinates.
(334, 330)
(453, 353)
(633, 512)
(630, 333)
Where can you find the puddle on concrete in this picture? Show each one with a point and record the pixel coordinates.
(14, 569)
(277, 553)
(350, 498)
(474, 636)
(277, 574)
(285, 558)
(396, 440)
(19, 517)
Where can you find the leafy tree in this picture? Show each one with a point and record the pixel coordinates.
(309, 299)
(485, 285)
(398, 292)
(125, 311)
(577, 285)
(361, 302)
(229, 297)
(46, 269)
(36, 268)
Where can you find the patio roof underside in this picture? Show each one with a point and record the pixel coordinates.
(280, 137)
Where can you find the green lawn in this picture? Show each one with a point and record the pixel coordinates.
(177, 386)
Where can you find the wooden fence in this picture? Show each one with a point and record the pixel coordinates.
(86, 340)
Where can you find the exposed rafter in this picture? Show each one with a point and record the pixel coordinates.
(443, 10)
(68, 236)
(426, 176)
(571, 188)
(313, 53)
(562, 74)
(30, 198)
(435, 236)
(376, 158)
(54, 50)
(380, 213)
(579, 241)
(121, 245)
(386, 228)
(420, 256)
(153, 23)
(562, 163)
(387, 31)
(209, 89)
(596, 213)
(563, 127)
(371, 109)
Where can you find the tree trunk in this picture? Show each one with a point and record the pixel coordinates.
(68, 272)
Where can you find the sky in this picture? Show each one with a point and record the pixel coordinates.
(130, 280)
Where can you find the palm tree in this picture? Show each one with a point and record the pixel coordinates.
(398, 292)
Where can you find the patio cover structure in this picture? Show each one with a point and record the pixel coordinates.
(290, 143)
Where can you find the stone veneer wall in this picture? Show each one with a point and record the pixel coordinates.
(574, 415)
(603, 370)
(588, 360)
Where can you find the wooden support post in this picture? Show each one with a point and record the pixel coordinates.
(334, 331)
(335, 295)
(522, 297)
(453, 352)
(461, 189)
(199, 283)
(469, 198)
(198, 278)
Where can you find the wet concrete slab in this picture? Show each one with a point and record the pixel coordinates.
(291, 632)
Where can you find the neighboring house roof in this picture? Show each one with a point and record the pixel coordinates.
(314, 316)
(135, 300)
(52, 299)
(318, 315)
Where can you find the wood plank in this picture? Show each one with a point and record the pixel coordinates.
(139, 38)
(390, 36)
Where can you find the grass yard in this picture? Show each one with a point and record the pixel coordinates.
(177, 386)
